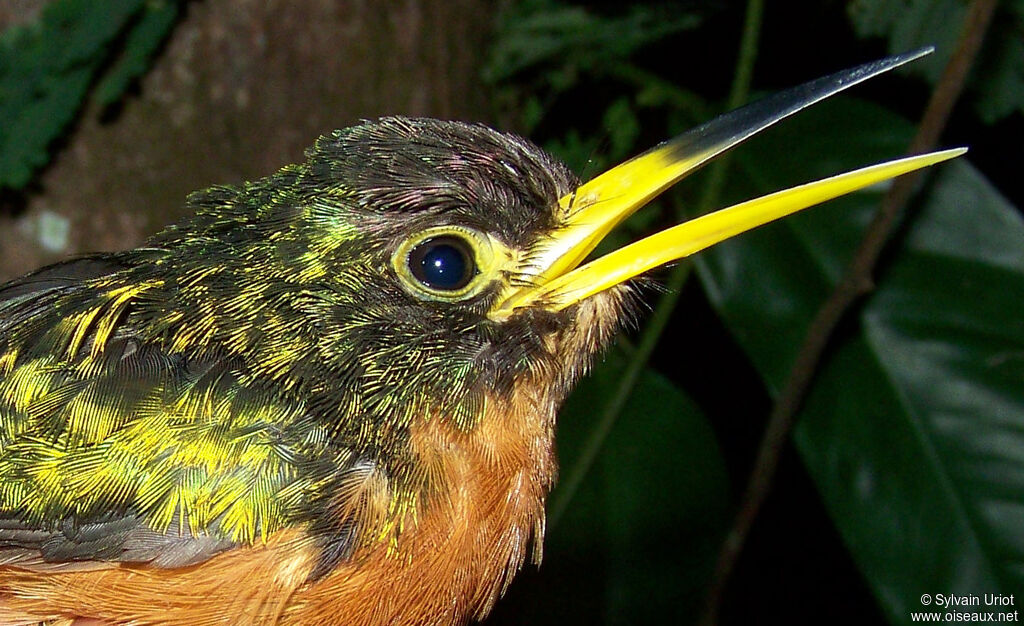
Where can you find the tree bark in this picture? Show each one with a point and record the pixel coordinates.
(240, 89)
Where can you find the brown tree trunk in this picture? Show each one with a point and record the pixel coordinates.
(241, 88)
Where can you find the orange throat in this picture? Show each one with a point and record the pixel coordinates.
(458, 557)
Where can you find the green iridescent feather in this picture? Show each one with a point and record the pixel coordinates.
(223, 380)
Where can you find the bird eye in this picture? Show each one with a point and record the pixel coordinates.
(447, 263)
(443, 263)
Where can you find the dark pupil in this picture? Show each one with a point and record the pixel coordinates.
(443, 263)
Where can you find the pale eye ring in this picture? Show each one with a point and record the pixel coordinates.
(446, 263)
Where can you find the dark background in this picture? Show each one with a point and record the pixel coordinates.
(238, 89)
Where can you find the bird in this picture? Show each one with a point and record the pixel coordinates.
(329, 396)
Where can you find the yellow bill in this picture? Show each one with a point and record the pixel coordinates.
(693, 236)
(552, 279)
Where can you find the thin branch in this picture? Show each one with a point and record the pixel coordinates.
(856, 282)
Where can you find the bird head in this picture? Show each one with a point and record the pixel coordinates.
(383, 267)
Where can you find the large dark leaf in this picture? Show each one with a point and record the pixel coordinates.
(914, 430)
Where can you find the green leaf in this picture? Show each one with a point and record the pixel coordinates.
(997, 83)
(39, 120)
(553, 36)
(46, 69)
(623, 128)
(912, 24)
(637, 542)
(80, 29)
(914, 430)
(141, 43)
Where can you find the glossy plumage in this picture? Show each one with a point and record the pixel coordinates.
(329, 397)
(259, 369)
